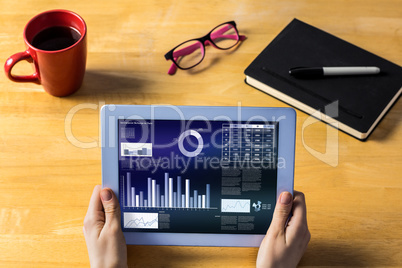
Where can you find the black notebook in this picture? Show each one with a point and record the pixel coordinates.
(356, 103)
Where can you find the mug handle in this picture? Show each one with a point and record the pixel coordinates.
(11, 61)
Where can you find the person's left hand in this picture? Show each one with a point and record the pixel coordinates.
(102, 230)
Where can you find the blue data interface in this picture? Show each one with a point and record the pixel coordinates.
(197, 176)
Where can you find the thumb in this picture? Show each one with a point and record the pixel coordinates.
(282, 212)
(111, 207)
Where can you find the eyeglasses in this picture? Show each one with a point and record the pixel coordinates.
(190, 53)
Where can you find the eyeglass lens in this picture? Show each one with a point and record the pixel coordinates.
(191, 53)
(224, 36)
(188, 54)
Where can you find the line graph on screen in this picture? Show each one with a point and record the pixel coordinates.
(138, 220)
(235, 205)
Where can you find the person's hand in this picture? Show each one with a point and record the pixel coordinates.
(102, 230)
(284, 244)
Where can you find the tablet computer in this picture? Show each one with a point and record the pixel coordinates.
(197, 176)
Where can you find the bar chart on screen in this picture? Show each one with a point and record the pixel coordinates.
(166, 193)
(136, 149)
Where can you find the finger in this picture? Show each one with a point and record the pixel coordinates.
(94, 219)
(297, 228)
(299, 208)
(111, 207)
(95, 204)
(282, 210)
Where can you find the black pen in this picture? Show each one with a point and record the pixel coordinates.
(305, 72)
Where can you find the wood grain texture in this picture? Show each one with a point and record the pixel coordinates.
(50, 156)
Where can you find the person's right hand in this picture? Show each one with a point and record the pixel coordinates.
(284, 244)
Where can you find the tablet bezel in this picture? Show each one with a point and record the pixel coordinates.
(109, 116)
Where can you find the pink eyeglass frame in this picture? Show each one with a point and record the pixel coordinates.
(205, 40)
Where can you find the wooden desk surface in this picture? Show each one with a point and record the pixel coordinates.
(46, 176)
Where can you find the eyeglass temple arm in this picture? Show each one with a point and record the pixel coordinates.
(172, 69)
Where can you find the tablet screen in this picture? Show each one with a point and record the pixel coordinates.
(197, 176)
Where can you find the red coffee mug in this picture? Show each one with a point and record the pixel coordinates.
(61, 71)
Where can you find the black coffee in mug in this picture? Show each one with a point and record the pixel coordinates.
(56, 38)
